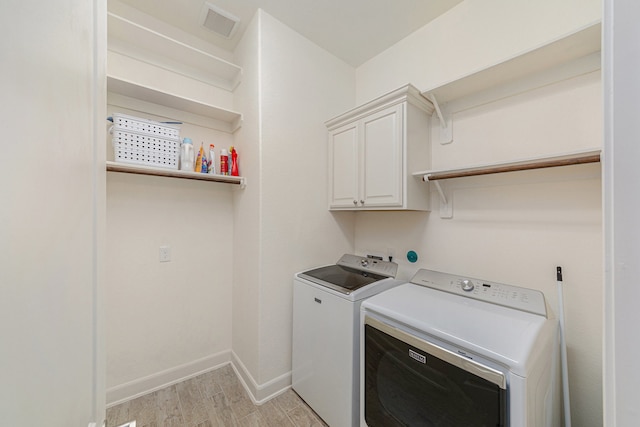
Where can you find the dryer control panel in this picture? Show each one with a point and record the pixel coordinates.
(515, 297)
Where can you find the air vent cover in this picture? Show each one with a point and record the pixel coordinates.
(219, 21)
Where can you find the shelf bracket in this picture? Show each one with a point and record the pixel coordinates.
(446, 204)
(446, 125)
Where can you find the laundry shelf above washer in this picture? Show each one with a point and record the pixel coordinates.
(566, 159)
(172, 173)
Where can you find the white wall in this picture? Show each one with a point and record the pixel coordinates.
(512, 228)
(621, 176)
(297, 87)
(52, 213)
(302, 85)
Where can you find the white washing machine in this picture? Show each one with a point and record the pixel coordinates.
(326, 333)
(447, 350)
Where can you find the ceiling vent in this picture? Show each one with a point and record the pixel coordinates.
(219, 21)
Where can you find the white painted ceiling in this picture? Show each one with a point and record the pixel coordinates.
(353, 30)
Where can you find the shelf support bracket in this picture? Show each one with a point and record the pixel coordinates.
(446, 205)
(446, 125)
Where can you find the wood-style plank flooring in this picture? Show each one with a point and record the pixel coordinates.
(214, 399)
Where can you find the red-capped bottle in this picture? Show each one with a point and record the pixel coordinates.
(234, 162)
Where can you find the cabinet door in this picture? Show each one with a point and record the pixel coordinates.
(382, 164)
(343, 166)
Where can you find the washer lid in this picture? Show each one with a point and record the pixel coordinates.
(351, 272)
(342, 279)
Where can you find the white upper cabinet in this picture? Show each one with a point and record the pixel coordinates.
(374, 148)
(381, 168)
(343, 166)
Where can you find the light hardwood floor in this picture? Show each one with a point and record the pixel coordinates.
(213, 399)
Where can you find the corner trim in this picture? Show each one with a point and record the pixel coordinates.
(260, 393)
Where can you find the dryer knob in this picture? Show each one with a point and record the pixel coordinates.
(364, 262)
(467, 285)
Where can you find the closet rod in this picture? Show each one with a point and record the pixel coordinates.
(538, 164)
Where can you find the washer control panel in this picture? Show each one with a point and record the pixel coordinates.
(515, 297)
(373, 265)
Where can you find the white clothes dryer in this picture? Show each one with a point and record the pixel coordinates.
(447, 350)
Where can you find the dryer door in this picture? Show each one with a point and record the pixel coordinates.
(412, 382)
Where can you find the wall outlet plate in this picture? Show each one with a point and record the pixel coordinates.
(165, 253)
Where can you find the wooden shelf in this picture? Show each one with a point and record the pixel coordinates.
(225, 120)
(144, 44)
(567, 159)
(566, 49)
(173, 173)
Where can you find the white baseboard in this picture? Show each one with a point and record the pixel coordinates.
(259, 393)
(139, 387)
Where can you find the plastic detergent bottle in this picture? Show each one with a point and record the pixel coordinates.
(201, 160)
(186, 155)
(234, 162)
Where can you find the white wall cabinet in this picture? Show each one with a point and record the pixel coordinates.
(373, 149)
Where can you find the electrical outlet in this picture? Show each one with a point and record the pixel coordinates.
(165, 253)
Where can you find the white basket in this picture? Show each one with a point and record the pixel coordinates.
(145, 150)
(148, 127)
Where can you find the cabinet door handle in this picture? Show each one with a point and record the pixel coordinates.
(362, 202)
(355, 202)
